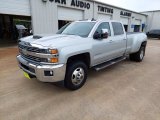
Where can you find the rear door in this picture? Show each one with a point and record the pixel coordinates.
(119, 40)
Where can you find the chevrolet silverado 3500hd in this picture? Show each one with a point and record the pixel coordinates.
(77, 47)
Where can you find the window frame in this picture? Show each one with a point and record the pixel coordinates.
(110, 33)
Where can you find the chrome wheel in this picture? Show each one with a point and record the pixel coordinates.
(77, 76)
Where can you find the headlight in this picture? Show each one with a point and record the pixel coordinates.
(53, 51)
(53, 60)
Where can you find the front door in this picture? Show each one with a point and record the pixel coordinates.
(101, 47)
(112, 47)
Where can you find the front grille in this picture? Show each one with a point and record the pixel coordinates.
(33, 58)
(33, 49)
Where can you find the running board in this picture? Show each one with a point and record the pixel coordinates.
(109, 63)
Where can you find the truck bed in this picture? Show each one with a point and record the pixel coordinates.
(134, 39)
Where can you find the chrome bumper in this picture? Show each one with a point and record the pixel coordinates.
(38, 70)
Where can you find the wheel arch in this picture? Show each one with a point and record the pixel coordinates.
(144, 43)
(84, 57)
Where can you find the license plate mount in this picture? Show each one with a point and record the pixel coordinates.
(26, 75)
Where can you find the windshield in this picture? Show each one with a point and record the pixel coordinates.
(61, 30)
(78, 28)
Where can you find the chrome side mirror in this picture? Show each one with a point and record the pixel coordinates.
(105, 33)
(102, 35)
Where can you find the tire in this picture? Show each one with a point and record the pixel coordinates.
(138, 56)
(76, 75)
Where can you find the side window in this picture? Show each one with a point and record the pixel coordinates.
(104, 25)
(117, 28)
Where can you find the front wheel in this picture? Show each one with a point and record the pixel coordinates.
(76, 75)
(138, 56)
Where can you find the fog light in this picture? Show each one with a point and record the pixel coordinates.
(48, 73)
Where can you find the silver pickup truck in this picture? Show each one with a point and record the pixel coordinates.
(78, 46)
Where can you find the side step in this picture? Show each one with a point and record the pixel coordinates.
(109, 63)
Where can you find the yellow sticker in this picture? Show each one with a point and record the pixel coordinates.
(26, 75)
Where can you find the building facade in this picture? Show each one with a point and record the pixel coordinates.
(152, 20)
(50, 15)
(13, 12)
(47, 16)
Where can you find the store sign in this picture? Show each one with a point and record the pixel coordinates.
(75, 3)
(80, 4)
(125, 14)
(105, 9)
(59, 1)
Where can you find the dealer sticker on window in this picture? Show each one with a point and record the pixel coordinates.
(26, 75)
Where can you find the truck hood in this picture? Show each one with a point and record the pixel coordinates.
(55, 41)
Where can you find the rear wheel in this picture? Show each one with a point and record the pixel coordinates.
(76, 75)
(138, 56)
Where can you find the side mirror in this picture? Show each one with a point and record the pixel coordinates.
(97, 35)
(105, 33)
(102, 35)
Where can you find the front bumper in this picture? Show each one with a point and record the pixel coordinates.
(38, 70)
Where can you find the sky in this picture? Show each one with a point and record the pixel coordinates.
(135, 5)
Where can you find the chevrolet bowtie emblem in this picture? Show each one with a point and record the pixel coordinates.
(24, 51)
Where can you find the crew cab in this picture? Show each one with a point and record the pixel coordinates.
(77, 47)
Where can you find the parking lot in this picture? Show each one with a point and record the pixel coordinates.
(125, 91)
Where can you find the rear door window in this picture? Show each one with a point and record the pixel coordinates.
(117, 28)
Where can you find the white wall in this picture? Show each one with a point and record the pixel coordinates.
(15, 7)
(153, 21)
(137, 19)
(45, 15)
(65, 13)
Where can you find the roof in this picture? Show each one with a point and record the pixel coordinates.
(151, 11)
(97, 1)
(98, 20)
